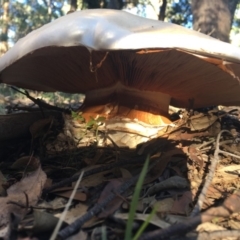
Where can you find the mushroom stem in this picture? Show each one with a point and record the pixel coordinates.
(125, 102)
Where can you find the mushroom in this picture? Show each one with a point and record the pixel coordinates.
(129, 68)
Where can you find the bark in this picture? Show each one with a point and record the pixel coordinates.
(214, 17)
(162, 12)
(93, 4)
(232, 7)
(5, 26)
(73, 6)
(115, 4)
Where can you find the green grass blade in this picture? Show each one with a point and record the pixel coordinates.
(145, 224)
(134, 202)
(104, 233)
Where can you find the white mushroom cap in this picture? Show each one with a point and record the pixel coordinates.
(114, 55)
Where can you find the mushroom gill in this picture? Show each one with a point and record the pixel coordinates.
(129, 68)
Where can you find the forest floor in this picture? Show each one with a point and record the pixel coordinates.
(182, 185)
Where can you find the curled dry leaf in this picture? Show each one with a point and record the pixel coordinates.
(23, 193)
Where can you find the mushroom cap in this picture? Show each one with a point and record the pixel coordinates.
(103, 53)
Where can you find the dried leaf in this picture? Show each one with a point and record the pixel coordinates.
(182, 205)
(164, 206)
(234, 224)
(30, 187)
(43, 221)
(125, 173)
(115, 203)
(56, 204)
(95, 159)
(80, 196)
(95, 179)
(165, 158)
(209, 227)
(201, 122)
(74, 213)
(193, 155)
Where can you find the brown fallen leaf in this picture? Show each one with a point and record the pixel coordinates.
(21, 195)
(80, 196)
(94, 179)
(182, 205)
(201, 121)
(43, 222)
(115, 203)
(74, 213)
(164, 205)
(165, 158)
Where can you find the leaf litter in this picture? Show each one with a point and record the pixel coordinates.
(192, 182)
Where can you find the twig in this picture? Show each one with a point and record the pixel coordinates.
(230, 154)
(75, 226)
(208, 181)
(41, 103)
(205, 144)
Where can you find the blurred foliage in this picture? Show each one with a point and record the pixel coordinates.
(28, 15)
(179, 12)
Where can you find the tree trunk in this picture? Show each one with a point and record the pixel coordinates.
(5, 26)
(93, 4)
(115, 4)
(232, 7)
(73, 6)
(162, 11)
(214, 17)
